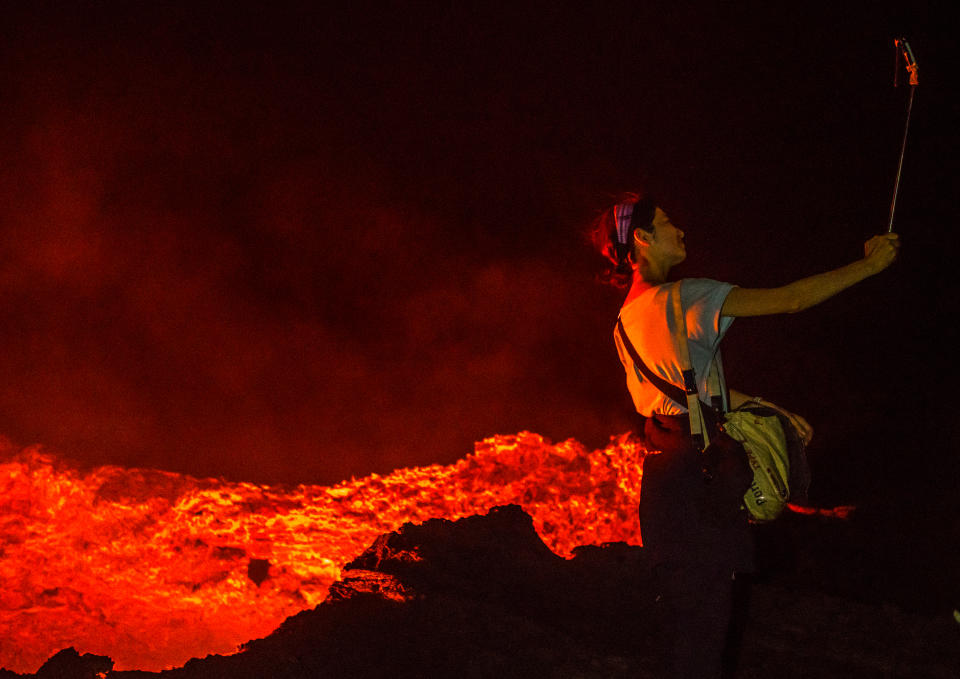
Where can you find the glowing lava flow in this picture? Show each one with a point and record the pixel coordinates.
(153, 568)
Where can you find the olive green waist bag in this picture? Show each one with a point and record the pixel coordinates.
(776, 456)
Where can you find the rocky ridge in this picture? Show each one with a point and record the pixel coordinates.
(484, 597)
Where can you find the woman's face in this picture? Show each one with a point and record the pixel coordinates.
(667, 243)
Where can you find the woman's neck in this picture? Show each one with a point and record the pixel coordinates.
(651, 272)
(638, 287)
(646, 275)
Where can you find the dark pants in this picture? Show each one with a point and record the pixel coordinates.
(696, 550)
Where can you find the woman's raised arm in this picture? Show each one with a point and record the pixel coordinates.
(880, 252)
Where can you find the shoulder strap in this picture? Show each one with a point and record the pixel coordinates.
(672, 391)
(717, 386)
(698, 429)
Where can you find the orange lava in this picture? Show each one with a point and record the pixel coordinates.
(153, 568)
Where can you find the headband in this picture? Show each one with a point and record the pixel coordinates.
(628, 217)
(623, 214)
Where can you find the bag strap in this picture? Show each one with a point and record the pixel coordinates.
(717, 387)
(698, 428)
(670, 390)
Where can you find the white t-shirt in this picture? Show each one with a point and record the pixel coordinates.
(648, 320)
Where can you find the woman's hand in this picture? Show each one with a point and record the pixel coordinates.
(880, 251)
(801, 425)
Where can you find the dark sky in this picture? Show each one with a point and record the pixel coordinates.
(295, 244)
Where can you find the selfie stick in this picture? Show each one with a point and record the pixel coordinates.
(903, 47)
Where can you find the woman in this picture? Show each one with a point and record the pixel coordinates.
(695, 549)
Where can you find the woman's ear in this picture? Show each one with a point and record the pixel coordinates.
(641, 237)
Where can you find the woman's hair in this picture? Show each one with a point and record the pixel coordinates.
(616, 245)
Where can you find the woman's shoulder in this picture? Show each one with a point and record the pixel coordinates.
(702, 288)
(708, 283)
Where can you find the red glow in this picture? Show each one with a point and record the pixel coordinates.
(153, 568)
(842, 512)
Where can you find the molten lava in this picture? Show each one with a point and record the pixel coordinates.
(153, 568)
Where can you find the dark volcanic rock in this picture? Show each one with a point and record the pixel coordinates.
(68, 664)
(479, 597)
(500, 560)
